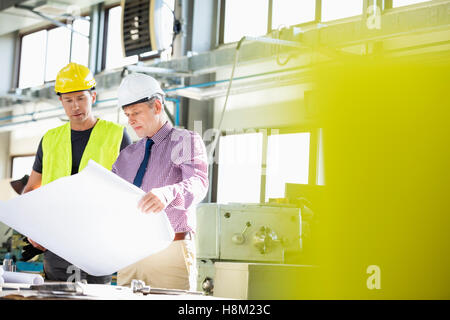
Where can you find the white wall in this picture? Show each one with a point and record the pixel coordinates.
(7, 43)
(5, 167)
(7, 46)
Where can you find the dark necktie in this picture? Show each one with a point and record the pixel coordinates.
(141, 171)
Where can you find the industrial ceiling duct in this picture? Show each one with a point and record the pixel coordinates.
(147, 25)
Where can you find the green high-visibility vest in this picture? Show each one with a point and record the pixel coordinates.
(103, 147)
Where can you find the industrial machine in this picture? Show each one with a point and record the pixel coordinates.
(13, 244)
(245, 233)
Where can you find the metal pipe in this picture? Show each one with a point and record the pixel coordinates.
(14, 124)
(177, 101)
(157, 70)
(177, 109)
(32, 114)
(275, 41)
(210, 83)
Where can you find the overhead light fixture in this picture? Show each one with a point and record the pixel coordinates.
(51, 8)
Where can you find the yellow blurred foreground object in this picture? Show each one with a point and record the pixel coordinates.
(384, 230)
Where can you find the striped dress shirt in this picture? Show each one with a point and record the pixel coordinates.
(177, 170)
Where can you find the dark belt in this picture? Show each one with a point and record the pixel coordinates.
(183, 236)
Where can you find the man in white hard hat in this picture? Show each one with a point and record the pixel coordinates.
(170, 164)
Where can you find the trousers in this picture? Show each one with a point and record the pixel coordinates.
(172, 268)
(58, 269)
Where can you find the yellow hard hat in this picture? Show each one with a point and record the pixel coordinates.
(74, 77)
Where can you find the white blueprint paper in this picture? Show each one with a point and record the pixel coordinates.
(22, 277)
(90, 219)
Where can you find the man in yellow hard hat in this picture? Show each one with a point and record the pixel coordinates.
(65, 150)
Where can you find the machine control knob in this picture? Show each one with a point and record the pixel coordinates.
(239, 238)
(208, 286)
(265, 239)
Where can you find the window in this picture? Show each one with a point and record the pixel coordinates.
(45, 52)
(400, 3)
(32, 59)
(80, 44)
(115, 57)
(21, 166)
(288, 12)
(257, 17)
(240, 166)
(58, 51)
(287, 162)
(332, 9)
(245, 18)
(240, 159)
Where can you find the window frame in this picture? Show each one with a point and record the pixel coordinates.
(89, 36)
(20, 46)
(47, 28)
(313, 155)
(19, 156)
(313, 162)
(216, 166)
(385, 6)
(222, 26)
(389, 4)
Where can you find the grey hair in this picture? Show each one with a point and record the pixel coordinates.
(156, 96)
(159, 97)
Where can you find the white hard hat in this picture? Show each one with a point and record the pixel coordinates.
(137, 87)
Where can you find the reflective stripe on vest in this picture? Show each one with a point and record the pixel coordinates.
(103, 147)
